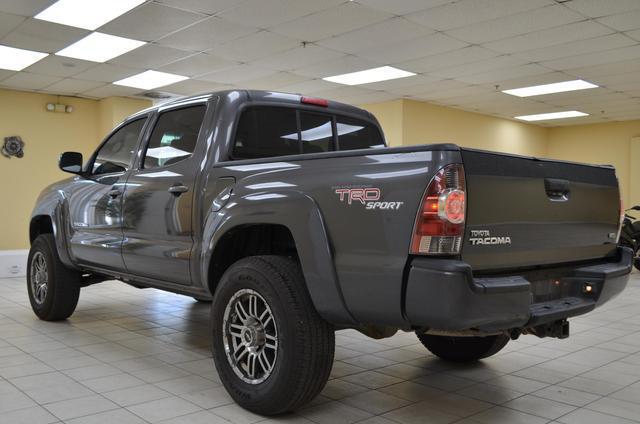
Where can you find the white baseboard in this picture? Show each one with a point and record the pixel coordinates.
(13, 263)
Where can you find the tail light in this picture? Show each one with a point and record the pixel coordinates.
(439, 226)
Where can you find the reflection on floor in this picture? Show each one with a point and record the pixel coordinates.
(135, 356)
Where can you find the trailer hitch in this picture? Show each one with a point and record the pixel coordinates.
(558, 329)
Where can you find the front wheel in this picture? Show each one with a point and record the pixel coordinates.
(272, 350)
(463, 349)
(53, 288)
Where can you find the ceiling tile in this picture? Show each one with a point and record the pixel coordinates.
(274, 81)
(299, 57)
(387, 32)
(340, 65)
(521, 23)
(330, 22)
(373, 97)
(467, 12)
(624, 21)
(574, 48)
(43, 36)
(268, 13)
(202, 6)
(206, 34)
(60, 66)
(549, 37)
(254, 46)
(612, 68)
(615, 55)
(111, 90)
(425, 89)
(478, 67)
(72, 86)
(190, 87)
(25, 7)
(237, 74)
(28, 81)
(599, 8)
(634, 34)
(507, 73)
(467, 91)
(413, 49)
(198, 64)
(150, 56)
(8, 23)
(150, 22)
(6, 74)
(309, 87)
(345, 93)
(106, 72)
(403, 7)
(448, 59)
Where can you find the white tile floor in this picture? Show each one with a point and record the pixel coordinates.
(136, 356)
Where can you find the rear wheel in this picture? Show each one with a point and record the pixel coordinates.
(272, 350)
(53, 288)
(463, 349)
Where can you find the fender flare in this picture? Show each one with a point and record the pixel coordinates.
(301, 216)
(53, 206)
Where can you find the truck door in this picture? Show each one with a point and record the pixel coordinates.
(158, 199)
(95, 203)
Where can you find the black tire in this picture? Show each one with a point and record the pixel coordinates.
(63, 284)
(463, 349)
(305, 342)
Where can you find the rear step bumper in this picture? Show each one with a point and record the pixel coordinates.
(442, 294)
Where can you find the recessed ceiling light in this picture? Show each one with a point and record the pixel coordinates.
(552, 115)
(151, 79)
(87, 14)
(98, 47)
(370, 75)
(17, 59)
(556, 87)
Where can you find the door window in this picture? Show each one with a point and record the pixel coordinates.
(116, 154)
(266, 131)
(174, 136)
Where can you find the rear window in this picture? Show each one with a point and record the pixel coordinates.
(265, 131)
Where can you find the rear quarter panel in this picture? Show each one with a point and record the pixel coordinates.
(369, 246)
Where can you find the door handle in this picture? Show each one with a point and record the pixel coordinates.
(114, 193)
(178, 189)
(557, 190)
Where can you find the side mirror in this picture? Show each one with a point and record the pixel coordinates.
(71, 162)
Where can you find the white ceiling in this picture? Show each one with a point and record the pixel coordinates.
(462, 51)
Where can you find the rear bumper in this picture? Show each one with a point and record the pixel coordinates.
(442, 294)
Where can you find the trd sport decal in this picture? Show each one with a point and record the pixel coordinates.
(368, 196)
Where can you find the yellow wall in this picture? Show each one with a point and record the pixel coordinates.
(46, 135)
(409, 122)
(607, 143)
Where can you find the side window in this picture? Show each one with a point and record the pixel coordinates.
(316, 132)
(116, 154)
(357, 134)
(174, 136)
(266, 131)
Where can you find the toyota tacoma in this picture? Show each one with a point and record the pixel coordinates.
(292, 216)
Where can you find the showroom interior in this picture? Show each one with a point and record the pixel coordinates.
(557, 80)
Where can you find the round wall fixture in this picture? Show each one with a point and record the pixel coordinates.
(13, 146)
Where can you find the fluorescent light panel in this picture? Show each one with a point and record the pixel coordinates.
(17, 59)
(87, 14)
(556, 87)
(98, 47)
(552, 115)
(149, 80)
(370, 75)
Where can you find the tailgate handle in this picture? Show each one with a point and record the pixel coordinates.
(557, 189)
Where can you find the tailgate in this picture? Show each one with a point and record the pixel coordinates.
(524, 212)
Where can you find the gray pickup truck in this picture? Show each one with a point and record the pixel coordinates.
(292, 216)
